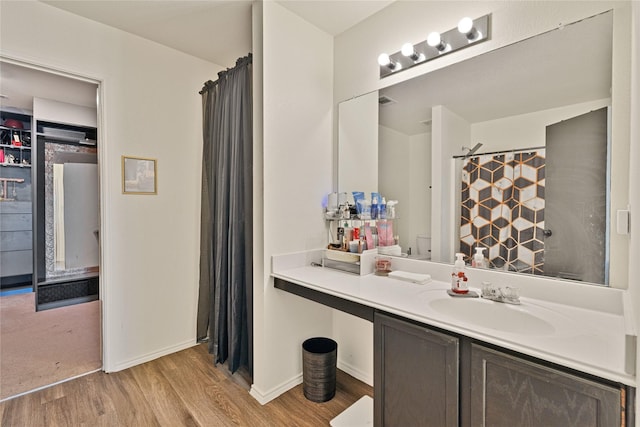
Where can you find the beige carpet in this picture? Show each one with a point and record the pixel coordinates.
(38, 349)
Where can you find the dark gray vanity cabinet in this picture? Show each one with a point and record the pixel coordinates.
(415, 375)
(509, 391)
(427, 377)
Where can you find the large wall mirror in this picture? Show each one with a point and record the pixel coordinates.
(510, 150)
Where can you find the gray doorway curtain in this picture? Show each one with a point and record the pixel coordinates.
(226, 245)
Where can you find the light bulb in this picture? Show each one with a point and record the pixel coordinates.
(384, 59)
(407, 49)
(433, 39)
(465, 25)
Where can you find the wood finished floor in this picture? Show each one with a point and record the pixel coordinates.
(181, 389)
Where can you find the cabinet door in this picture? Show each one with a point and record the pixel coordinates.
(508, 391)
(416, 375)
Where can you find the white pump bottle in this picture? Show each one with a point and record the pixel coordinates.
(478, 260)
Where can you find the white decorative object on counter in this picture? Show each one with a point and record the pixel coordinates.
(421, 279)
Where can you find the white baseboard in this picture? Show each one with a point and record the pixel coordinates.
(265, 397)
(151, 356)
(365, 377)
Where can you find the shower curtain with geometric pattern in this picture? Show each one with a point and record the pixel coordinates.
(502, 209)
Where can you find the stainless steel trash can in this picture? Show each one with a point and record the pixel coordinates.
(319, 356)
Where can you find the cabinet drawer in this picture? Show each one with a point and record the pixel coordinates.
(16, 263)
(15, 222)
(15, 207)
(15, 241)
(508, 391)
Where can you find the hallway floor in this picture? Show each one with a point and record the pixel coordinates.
(38, 349)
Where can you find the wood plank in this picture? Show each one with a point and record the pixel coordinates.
(162, 398)
(23, 411)
(201, 389)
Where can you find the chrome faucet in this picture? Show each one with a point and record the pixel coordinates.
(507, 294)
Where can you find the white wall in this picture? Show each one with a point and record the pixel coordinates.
(296, 114)
(62, 112)
(447, 126)
(634, 159)
(356, 71)
(149, 268)
(526, 130)
(352, 335)
(420, 189)
(405, 175)
(358, 156)
(395, 177)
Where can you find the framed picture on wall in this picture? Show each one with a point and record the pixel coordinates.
(139, 175)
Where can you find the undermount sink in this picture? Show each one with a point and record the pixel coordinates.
(492, 315)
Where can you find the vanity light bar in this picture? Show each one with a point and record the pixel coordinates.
(467, 33)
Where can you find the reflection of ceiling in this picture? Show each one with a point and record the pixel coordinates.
(20, 85)
(562, 67)
(217, 31)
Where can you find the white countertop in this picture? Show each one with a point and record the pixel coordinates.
(578, 337)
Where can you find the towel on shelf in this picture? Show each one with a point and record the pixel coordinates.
(421, 279)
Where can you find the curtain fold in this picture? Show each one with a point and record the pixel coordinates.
(502, 209)
(226, 245)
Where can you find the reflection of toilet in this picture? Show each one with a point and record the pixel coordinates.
(423, 243)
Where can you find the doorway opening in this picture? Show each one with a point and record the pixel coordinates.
(49, 227)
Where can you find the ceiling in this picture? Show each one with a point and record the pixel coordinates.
(218, 31)
(562, 67)
(19, 85)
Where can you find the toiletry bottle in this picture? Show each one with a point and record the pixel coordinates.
(348, 233)
(391, 209)
(459, 279)
(374, 208)
(478, 258)
(382, 211)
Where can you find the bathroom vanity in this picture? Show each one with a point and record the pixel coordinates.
(563, 357)
(418, 370)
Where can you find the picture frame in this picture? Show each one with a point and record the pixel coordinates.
(139, 175)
